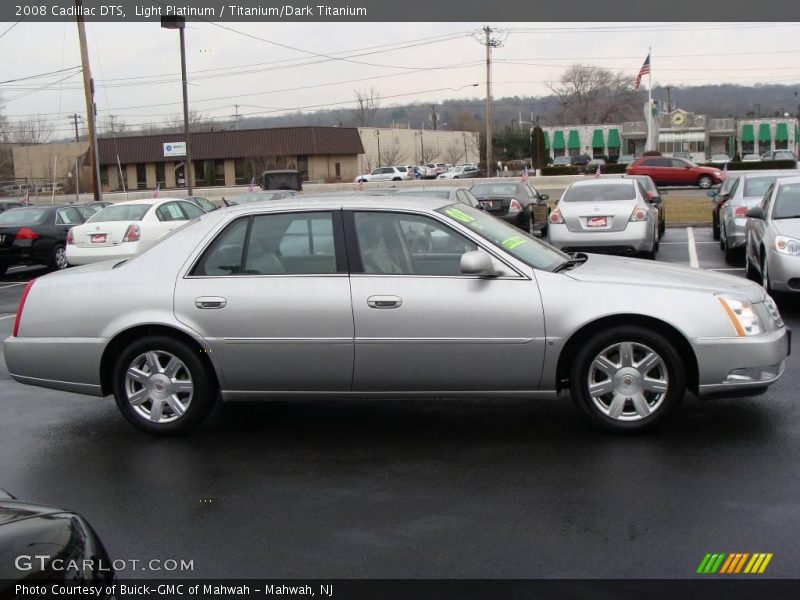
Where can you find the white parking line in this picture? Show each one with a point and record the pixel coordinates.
(2, 287)
(8, 317)
(692, 249)
(728, 269)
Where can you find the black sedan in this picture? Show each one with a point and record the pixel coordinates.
(40, 544)
(36, 235)
(204, 203)
(87, 209)
(516, 203)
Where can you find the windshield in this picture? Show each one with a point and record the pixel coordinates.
(757, 186)
(23, 216)
(495, 189)
(508, 238)
(787, 203)
(600, 192)
(120, 212)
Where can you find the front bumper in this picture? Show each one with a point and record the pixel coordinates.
(636, 237)
(737, 364)
(784, 271)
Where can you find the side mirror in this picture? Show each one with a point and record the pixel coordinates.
(756, 212)
(544, 197)
(477, 263)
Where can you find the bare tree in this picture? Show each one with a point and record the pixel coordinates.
(391, 155)
(428, 154)
(5, 133)
(367, 105)
(454, 153)
(197, 122)
(112, 126)
(591, 94)
(36, 130)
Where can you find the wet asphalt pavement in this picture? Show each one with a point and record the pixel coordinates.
(445, 489)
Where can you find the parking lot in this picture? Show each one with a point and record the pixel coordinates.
(399, 488)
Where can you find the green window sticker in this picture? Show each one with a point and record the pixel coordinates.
(459, 215)
(513, 242)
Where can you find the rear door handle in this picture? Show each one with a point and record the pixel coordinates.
(384, 302)
(207, 302)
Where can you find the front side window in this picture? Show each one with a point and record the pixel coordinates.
(406, 244)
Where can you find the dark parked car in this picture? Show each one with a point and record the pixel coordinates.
(40, 544)
(454, 194)
(36, 235)
(516, 203)
(719, 197)
(281, 180)
(8, 205)
(655, 197)
(249, 197)
(674, 171)
(87, 209)
(204, 203)
(580, 160)
(561, 161)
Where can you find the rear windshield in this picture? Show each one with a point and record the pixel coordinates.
(647, 183)
(495, 189)
(598, 193)
(757, 186)
(124, 212)
(787, 203)
(23, 216)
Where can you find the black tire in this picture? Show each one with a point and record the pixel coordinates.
(204, 393)
(765, 273)
(546, 224)
(396, 179)
(705, 182)
(58, 258)
(640, 338)
(3, 269)
(731, 254)
(715, 224)
(749, 271)
(662, 224)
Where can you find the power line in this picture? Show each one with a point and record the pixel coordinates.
(12, 27)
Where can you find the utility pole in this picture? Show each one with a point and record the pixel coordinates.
(74, 118)
(88, 89)
(179, 23)
(433, 116)
(669, 98)
(490, 43)
(236, 116)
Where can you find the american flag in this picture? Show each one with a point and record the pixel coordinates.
(597, 173)
(642, 72)
(525, 174)
(252, 185)
(157, 191)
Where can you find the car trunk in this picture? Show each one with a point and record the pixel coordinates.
(8, 235)
(101, 234)
(597, 216)
(495, 205)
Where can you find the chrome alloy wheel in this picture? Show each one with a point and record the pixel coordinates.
(628, 381)
(158, 386)
(61, 258)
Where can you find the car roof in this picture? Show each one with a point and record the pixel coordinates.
(627, 181)
(321, 202)
(147, 201)
(772, 173)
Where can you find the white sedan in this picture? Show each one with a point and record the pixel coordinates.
(123, 230)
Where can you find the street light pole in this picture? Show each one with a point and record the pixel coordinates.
(179, 23)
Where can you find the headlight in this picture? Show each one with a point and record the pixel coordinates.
(787, 245)
(772, 308)
(744, 319)
(717, 174)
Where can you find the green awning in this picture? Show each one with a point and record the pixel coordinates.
(546, 140)
(747, 133)
(613, 138)
(574, 142)
(764, 134)
(782, 133)
(558, 140)
(597, 139)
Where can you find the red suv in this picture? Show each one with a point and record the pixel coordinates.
(674, 171)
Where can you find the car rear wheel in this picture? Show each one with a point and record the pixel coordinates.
(749, 270)
(705, 182)
(627, 379)
(162, 386)
(58, 258)
(715, 224)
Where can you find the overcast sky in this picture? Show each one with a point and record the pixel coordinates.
(136, 65)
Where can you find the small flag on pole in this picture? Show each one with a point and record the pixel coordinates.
(597, 173)
(360, 185)
(642, 72)
(157, 191)
(252, 185)
(525, 174)
(725, 170)
(26, 198)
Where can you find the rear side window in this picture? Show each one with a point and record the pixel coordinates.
(599, 193)
(224, 256)
(191, 211)
(68, 216)
(170, 212)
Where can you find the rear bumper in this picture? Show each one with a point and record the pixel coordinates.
(734, 233)
(784, 271)
(636, 237)
(77, 255)
(740, 364)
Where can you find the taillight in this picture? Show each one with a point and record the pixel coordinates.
(639, 214)
(740, 212)
(22, 305)
(132, 234)
(70, 237)
(514, 206)
(556, 218)
(26, 234)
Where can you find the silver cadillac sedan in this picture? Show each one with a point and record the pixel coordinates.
(608, 215)
(356, 296)
(772, 231)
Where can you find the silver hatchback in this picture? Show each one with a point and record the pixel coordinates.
(331, 297)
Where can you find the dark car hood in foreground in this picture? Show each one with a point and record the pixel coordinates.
(632, 271)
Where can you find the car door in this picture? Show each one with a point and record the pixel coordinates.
(756, 229)
(422, 325)
(540, 208)
(169, 216)
(271, 296)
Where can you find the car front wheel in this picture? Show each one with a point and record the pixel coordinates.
(705, 182)
(162, 386)
(627, 379)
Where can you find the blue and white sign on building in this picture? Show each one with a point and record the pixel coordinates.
(174, 149)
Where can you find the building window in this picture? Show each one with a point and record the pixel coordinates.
(219, 172)
(199, 167)
(103, 176)
(338, 167)
(302, 166)
(243, 171)
(161, 178)
(141, 176)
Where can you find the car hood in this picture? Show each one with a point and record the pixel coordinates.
(787, 227)
(633, 271)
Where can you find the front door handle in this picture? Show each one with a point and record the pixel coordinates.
(384, 302)
(206, 302)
